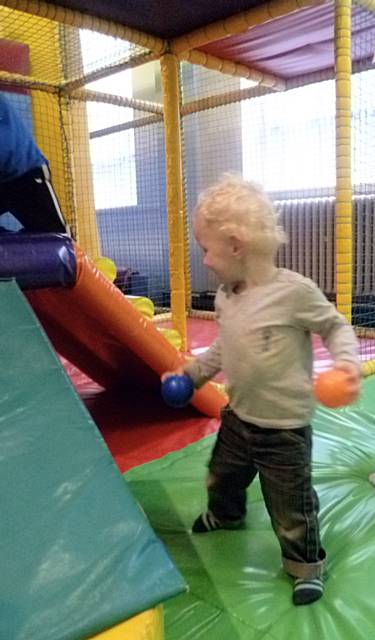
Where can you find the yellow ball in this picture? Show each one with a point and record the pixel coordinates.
(145, 306)
(107, 267)
(173, 336)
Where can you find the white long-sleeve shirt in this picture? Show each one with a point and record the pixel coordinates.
(264, 348)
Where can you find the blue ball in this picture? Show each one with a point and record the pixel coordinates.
(177, 391)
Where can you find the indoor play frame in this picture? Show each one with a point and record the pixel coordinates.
(48, 66)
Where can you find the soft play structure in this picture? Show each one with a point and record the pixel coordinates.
(138, 113)
(75, 503)
(89, 320)
(138, 107)
(78, 556)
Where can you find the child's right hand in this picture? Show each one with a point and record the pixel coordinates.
(177, 372)
(354, 377)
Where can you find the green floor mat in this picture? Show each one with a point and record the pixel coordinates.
(77, 554)
(238, 590)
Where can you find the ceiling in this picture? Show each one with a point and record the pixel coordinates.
(162, 18)
(294, 44)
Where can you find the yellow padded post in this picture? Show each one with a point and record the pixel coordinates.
(87, 234)
(187, 265)
(78, 154)
(344, 207)
(171, 93)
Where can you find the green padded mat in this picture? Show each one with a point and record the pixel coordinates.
(77, 554)
(238, 590)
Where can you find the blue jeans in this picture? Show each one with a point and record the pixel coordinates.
(282, 457)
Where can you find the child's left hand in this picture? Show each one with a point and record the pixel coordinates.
(354, 376)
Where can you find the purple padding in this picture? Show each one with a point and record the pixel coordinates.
(37, 260)
(297, 44)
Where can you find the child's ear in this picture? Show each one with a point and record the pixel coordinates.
(237, 246)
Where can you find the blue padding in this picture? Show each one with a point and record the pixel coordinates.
(37, 260)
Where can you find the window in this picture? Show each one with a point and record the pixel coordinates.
(112, 154)
(288, 139)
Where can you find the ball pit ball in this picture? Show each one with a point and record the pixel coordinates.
(177, 391)
(332, 388)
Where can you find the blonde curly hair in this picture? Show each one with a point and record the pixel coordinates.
(235, 207)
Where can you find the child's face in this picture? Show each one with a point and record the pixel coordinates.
(220, 254)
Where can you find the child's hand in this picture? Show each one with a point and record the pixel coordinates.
(354, 376)
(177, 372)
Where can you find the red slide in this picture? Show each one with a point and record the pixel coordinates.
(98, 330)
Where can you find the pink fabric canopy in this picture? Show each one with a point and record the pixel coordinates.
(297, 44)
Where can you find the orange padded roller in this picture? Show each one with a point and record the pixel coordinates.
(98, 330)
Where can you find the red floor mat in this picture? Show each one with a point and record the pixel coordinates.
(138, 429)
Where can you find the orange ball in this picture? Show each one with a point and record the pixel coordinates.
(333, 388)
